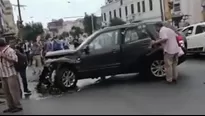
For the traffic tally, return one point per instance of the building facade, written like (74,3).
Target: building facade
(9,16)
(190,9)
(7,23)
(132,10)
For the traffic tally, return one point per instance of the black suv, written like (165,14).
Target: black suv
(111,51)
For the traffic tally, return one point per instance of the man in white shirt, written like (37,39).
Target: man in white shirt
(171,50)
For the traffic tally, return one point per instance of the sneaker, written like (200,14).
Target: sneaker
(16,110)
(27,92)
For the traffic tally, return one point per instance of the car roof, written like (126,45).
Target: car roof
(194,25)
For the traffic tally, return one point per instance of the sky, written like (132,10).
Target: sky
(45,10)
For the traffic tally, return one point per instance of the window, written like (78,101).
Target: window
(150,5)
(177,7)
(143,6)
(132,9)
(126,11)
(104,40)
(121,2)
(115,15)
(110,13)
(200,29)
(131,35)
(105,18)
(188,31)
(136,34)
(138,7)
(120,12)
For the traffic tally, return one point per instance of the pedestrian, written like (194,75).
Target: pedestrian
(23,68)
(26,47)
(36,54)
(167,38)
(11,85)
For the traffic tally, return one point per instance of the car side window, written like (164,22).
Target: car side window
(200,29)
(188,31)
(135,34)
(131,35)
(104,40)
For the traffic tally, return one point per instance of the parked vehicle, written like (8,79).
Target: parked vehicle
(113,50)
(195,35)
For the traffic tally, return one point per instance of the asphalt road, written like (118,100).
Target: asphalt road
(127,95)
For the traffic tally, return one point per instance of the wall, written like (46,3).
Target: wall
(192,8)
(154,15)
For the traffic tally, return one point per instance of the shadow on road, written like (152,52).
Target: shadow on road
(196,57)
(119,81)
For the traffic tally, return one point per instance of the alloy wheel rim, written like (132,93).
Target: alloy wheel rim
(68,78)
(158,69)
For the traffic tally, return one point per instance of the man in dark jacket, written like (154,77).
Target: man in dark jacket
(23,70)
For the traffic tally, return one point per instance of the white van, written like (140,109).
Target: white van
(195,35)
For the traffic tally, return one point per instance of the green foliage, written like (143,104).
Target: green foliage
(32,30)
(116,21)
(87,22)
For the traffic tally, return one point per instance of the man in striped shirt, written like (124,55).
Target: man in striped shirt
(8,73)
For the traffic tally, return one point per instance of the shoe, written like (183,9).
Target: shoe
(174,81)
(16,110)
(27,92)
(169,82)
(8,110)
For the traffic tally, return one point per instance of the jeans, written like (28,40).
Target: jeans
(24,79)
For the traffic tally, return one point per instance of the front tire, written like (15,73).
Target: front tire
(66,79)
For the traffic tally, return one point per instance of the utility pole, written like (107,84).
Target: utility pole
(92,23)
(19,11)
(20,21)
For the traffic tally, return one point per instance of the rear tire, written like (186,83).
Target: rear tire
(66,79)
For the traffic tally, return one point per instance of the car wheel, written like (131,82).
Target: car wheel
(66,79)
(153,68)
(157,68)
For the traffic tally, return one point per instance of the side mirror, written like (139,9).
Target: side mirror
(87,49)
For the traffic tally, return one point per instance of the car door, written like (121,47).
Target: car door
(136,44)
(198,39)
(104,55)
(189,33)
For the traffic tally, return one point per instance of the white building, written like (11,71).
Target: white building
(150,10)
(131,10)
(192,8)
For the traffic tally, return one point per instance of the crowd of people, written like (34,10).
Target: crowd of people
(16,58)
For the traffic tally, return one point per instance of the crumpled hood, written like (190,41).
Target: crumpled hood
(59,53)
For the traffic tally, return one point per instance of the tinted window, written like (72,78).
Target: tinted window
(200,29)
(104,40)
(188,31)
(135,34)
(115,15)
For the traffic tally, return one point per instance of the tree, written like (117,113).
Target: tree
(116,21)
(76,31)
(32,30)
(87,22)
